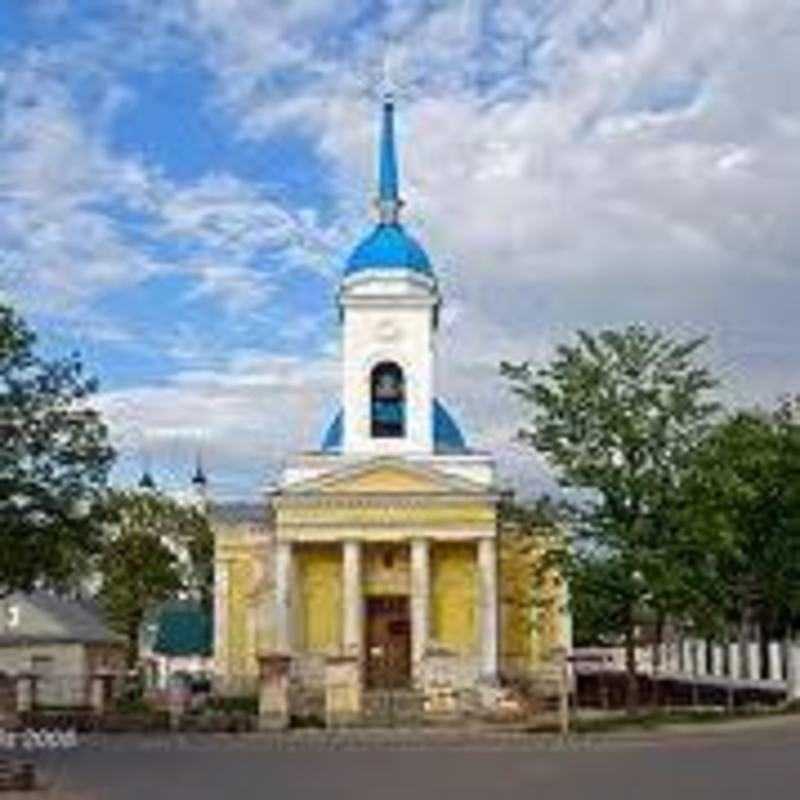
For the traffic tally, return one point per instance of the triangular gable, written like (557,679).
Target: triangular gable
(387,475)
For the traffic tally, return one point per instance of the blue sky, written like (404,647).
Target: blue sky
(181,182)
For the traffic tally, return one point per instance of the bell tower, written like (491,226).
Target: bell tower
(389,302)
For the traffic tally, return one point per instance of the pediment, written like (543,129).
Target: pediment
(387,476)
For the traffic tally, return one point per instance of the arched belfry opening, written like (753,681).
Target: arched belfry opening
(388,401)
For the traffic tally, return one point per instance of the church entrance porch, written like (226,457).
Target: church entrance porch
(387,642)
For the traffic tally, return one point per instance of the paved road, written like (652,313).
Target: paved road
(753,762)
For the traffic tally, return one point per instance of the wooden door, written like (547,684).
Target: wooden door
(388,642)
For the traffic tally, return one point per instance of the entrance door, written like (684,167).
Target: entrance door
(388,645)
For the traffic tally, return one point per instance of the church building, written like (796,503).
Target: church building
(385,543)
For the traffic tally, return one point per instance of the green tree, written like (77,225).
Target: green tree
(139,565)
(747,487)
(54,462)
(619,416)
(197,537)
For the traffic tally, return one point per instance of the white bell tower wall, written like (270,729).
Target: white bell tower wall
(388,315)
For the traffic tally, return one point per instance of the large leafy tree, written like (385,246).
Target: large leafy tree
(746,486)
(140,564)
(196,537)
(619,416)
(54,461)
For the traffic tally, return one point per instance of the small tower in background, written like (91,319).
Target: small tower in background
(146,482)
(200,483)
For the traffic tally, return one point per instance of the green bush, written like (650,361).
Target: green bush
(246,703)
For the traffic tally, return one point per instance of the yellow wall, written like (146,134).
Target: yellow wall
(319,572)
(240,645)
(386,569)
(453,597)
(531,603)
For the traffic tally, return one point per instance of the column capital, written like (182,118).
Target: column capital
(421,540)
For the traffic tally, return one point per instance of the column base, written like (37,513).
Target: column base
(343,691)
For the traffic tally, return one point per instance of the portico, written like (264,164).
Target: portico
(426,560)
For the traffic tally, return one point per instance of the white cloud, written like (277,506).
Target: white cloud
(77,220)
(554,171)
(245,416)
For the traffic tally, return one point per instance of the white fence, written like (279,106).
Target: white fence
(774,666)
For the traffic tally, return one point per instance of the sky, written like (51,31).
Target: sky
(181,182)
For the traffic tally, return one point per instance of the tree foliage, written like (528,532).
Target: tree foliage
(54,461)
(746,489)
(154,549)
(619,416)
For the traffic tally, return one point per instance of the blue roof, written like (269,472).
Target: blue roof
(183,629)
(388,246)
(447,436)
(388,183)
(333,436)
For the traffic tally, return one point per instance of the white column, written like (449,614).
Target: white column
(700,665)
(793,681)
(775,662)
(487,598)
(753,661)
(283,590)
(221,617)
(352,596)
(717,661)
(734,661)
(663,658)
(686,657)
(672,658)
(420,604)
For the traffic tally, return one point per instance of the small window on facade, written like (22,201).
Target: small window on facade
(388,406)
(12,617)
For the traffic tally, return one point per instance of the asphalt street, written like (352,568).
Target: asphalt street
(759,761)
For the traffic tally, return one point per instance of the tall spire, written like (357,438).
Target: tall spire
(388,185)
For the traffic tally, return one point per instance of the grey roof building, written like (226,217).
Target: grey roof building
(45,618)
(63,641)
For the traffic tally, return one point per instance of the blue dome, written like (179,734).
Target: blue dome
(333,436)
(388,246)
(447,436)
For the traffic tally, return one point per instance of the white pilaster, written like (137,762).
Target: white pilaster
(420,603)
(221,616)
(753,661)
(487,597)
(687,668)
(673,660)
(700,665)
(663,656)
(793,677)
(734,661)
(352,596)
(775,662)
(717,661)
(283,591)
